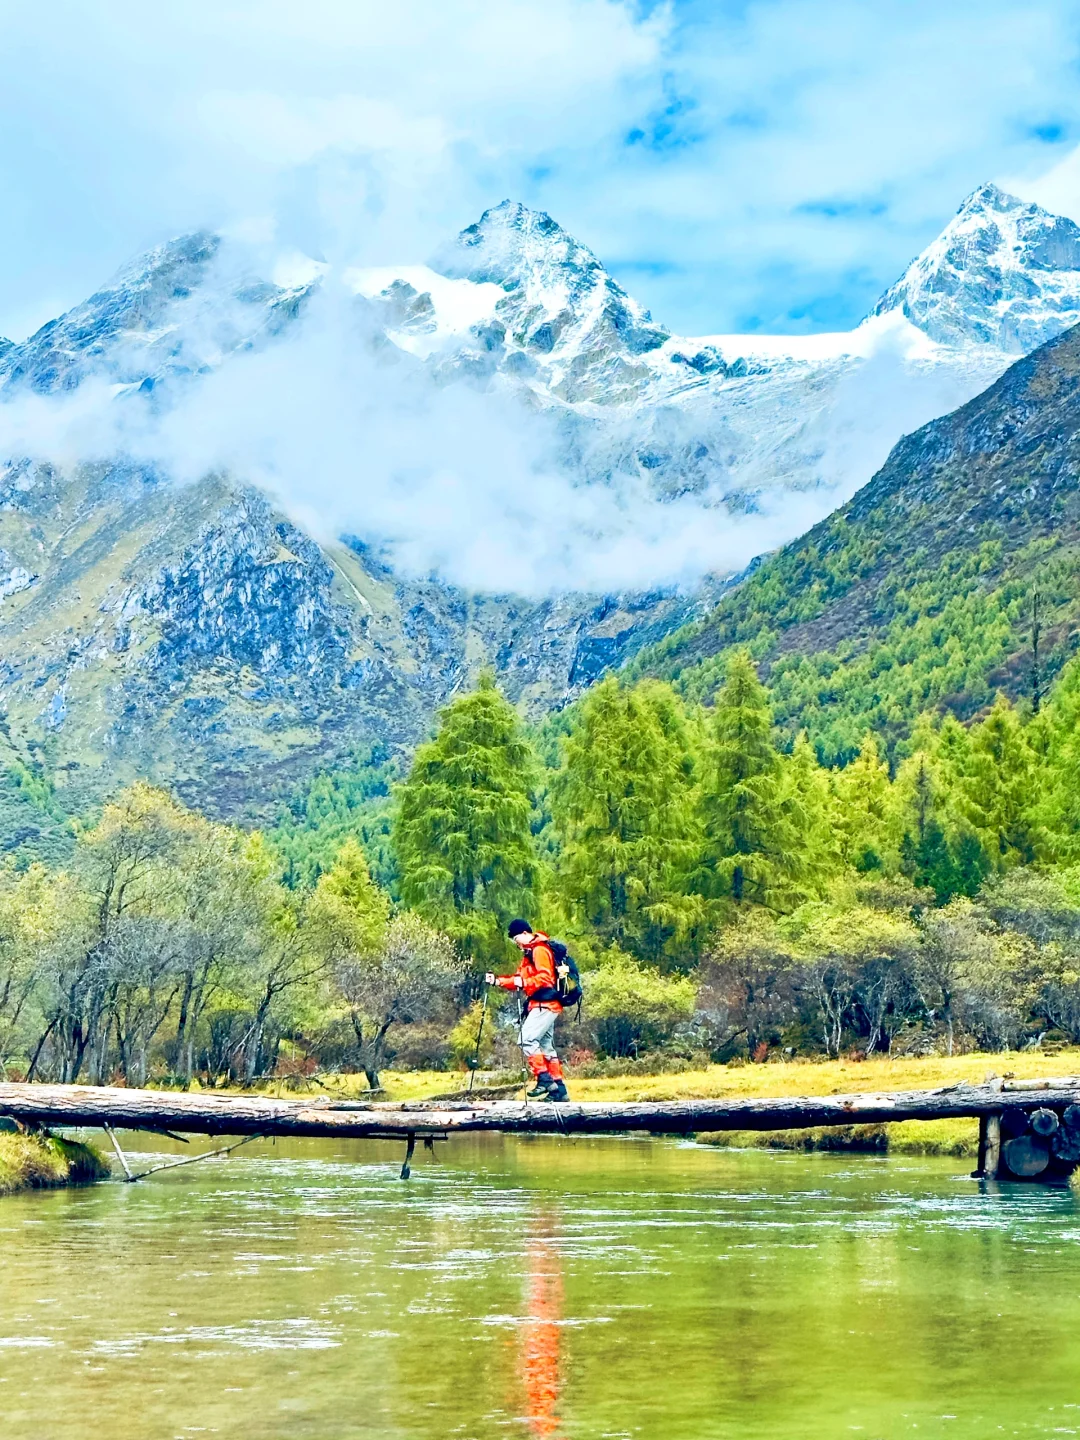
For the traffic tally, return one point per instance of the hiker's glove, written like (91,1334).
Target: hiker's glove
(519,984)
(489,978)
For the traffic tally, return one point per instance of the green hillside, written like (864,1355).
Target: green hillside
(925,591)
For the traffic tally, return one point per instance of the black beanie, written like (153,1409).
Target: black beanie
(518,927)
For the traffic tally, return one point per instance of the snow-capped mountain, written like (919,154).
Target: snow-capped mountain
(198,635)
(736,420)
(180,310)
(1001,274)
(516,305)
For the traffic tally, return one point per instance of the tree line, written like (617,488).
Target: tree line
(727,894)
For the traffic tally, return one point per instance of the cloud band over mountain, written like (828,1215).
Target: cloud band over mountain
(514,420)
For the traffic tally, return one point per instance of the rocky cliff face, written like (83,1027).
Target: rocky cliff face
(194,635)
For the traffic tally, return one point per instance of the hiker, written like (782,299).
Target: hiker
(538,981)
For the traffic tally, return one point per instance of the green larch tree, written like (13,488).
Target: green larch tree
(811,812)
(463,837)
(348,913)
(1059,802)
(862,809)
(998,792)
(934,850)
(623,805)
(750,839)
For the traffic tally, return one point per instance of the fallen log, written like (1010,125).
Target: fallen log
(217,1114)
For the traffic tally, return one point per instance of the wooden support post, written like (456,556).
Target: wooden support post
(991,1158)
(406,1169)
(129,1178)
(990,1137)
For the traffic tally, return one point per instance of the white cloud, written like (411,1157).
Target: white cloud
(446,479)
(1058,190)
(370,131)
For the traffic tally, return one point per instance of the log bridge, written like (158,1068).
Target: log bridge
(1028,1129)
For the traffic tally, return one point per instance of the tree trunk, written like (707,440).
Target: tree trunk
(216,1114)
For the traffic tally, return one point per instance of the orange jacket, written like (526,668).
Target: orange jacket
(536,972)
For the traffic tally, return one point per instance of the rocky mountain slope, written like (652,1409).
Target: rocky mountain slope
(196,634)
(953,574)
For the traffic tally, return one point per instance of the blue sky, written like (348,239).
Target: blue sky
(737,164)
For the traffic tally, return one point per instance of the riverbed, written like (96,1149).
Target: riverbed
(565,1289)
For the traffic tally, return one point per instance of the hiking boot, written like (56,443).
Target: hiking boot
(558,1093)
(542,1089)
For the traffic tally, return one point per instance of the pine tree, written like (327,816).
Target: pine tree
(812,814)
(462,835)
(998,789)
(623,806)
(348,913)
(862,809)
(750,851)
(1058,807)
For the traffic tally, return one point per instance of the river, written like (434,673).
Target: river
(560,1289)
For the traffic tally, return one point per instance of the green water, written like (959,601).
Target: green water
(541,1288)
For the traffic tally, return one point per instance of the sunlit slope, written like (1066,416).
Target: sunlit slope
(919,593)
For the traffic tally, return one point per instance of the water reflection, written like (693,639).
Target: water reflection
(542,1331)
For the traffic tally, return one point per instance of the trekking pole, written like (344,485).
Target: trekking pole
(521,1046)
(479,1037)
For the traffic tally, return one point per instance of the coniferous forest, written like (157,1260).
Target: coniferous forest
(726,893)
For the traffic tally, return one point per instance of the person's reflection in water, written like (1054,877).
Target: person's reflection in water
(541,1333)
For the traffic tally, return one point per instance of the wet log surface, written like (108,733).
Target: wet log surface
(205,1113)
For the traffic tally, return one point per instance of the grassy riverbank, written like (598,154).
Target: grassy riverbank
(781,1079)
(45,1162)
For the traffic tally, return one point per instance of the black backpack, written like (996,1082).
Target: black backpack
(568,989)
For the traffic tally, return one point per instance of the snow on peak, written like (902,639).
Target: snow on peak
(1003,273)
(176,264)
(574,328)
(424,311)
(178,309)
(514,246)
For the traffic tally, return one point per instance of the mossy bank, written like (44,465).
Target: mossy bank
(905,1137)
(45,1162)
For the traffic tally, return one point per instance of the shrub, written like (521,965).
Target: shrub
(632,1008)
(463,1037)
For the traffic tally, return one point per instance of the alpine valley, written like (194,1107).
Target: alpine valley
(195,631)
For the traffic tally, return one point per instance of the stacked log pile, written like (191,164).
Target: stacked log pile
(1042,1143)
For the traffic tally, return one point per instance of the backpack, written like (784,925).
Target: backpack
(568,989)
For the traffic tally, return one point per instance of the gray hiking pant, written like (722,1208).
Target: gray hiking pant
(538,1033)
